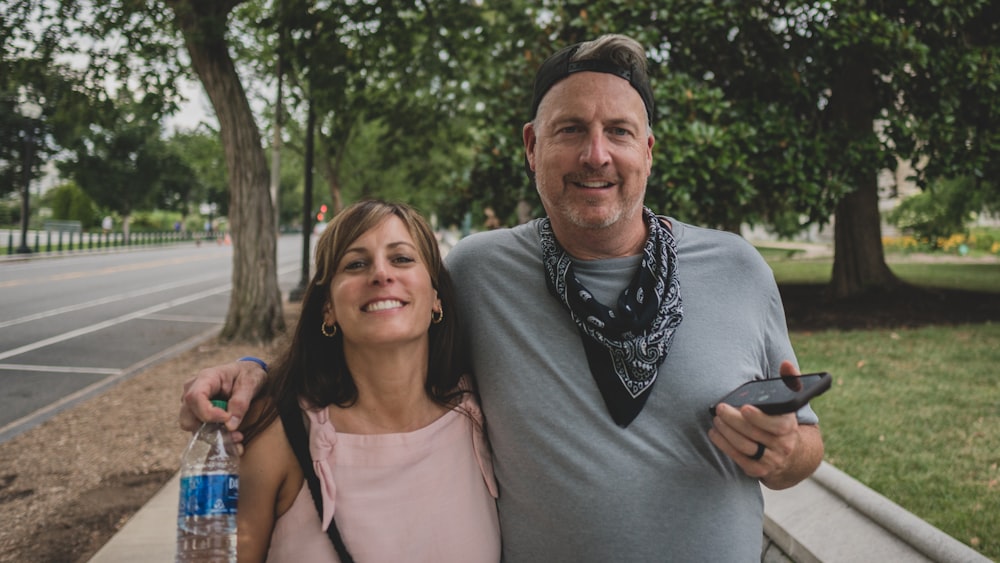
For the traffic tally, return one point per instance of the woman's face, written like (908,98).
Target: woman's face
(381,292)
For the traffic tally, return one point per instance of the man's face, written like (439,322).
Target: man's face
(591,152)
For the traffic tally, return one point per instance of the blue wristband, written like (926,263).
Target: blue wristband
(258,361)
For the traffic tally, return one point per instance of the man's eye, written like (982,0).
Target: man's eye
(570,129)
(619,131)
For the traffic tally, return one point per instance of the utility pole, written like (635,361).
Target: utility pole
(31,112)
(298,293)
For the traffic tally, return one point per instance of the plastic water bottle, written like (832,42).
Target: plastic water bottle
(210,480)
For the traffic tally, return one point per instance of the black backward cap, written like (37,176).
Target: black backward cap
(559,66)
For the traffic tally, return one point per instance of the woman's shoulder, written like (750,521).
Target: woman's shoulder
(269,462)
(267,444)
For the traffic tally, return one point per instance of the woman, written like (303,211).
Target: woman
(394,432)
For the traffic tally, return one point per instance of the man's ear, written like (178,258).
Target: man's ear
(650,141)
(528,134)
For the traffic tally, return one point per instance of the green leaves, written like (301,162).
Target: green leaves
(753,123)
(122,164)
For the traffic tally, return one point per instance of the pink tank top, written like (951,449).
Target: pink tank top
(427,495)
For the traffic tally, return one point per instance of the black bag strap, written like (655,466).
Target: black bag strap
(295,431)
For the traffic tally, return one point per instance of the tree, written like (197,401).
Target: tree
(402,45)
(770,110)
(890,81)
(515,42)
(200,151)
(28,74)
(776,113)
(134,47)
(393,68)
(254,313)
(119,163)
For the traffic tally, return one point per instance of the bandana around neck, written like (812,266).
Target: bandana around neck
(624,348)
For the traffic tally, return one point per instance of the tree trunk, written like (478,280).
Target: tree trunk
(276,142)
(333,158)
(859,261)
(254,314)
(333,182)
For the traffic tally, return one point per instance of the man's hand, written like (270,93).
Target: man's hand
(238,381)
(791,452)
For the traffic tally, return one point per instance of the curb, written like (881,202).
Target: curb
(833,517)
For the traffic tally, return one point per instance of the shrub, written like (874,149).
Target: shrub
(70,203)
(935,215)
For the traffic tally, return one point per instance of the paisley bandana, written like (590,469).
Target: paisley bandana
(625,347)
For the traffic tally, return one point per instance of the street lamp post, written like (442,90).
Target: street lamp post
(298,293)
(31,111)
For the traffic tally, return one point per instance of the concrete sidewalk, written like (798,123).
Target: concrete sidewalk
(829,517)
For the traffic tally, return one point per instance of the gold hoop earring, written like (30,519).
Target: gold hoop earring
(437,316)
(327,332)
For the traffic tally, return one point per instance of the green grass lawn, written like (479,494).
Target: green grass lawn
(971,276)
(915,413)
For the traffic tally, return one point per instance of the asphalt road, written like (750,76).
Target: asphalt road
(73,325)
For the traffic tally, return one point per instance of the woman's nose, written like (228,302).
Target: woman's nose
(381,273)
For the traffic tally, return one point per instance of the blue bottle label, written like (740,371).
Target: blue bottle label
(209,495)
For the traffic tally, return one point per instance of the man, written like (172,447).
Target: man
(601,335)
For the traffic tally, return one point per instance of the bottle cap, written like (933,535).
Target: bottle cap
(222,404)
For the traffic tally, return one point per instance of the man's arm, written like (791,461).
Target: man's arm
(237,381)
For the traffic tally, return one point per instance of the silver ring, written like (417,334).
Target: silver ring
(760,452)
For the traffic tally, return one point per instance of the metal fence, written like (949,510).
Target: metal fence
(62,240)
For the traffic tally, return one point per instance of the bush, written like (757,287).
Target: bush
(10,213)
(985,239)
(154,221)
(935,215)
(70,203)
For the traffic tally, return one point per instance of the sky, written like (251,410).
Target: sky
(196,109)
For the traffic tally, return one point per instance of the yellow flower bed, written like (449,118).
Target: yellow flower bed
(954,244)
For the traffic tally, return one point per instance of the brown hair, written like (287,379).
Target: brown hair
(313,366)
